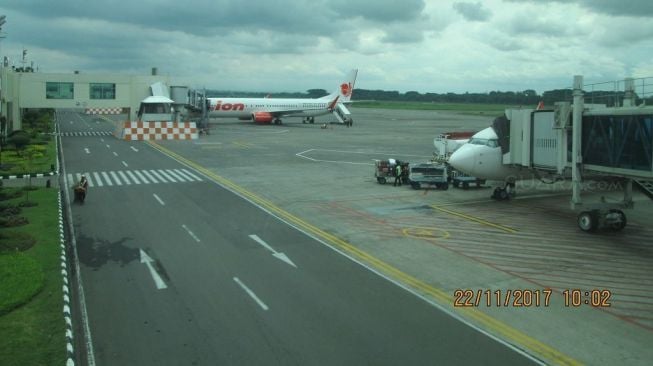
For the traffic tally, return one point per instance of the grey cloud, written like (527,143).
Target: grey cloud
(401,34)
(633,8)
(379,10)
(543,27)
(472,11)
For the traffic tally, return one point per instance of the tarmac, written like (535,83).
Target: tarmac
(484,261)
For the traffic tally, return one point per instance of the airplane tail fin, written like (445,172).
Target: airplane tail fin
(345,89)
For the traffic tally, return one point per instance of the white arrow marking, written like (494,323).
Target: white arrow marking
(276,254)
(87,150)
(133,148)
(148,262)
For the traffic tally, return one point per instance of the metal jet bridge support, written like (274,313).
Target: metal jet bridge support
(585,142)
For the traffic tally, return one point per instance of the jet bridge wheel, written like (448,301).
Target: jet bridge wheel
(618,218)
(588,221)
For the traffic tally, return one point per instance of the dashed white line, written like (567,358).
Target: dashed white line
(97,179)
(106,177)
(115,177)
(251,294)
(150,177)
(123,176)
(141,177)
(159,199)
(125,164)
(115,153)
(87,150)
(108,147)
(133,177)
(133,148)
(190,233)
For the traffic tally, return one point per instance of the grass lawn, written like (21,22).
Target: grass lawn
(13,164)
(463,108)
(33,333)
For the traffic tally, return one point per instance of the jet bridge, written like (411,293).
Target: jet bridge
(581,141)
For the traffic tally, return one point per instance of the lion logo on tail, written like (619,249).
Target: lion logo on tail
(345,89)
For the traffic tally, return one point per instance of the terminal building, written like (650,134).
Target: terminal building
(94,93)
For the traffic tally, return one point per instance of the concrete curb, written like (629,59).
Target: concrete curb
(30,175)
(67,312)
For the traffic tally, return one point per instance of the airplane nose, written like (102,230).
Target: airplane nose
(463,160)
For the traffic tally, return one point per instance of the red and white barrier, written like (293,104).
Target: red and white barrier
(141,131)
(104,110)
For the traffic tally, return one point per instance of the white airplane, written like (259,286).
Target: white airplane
(481,157)
(268,110)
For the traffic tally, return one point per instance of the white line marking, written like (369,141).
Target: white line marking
(125,164)
(276,254)
(150,177)
(378,272)
(108,147)
(115,177)
(101,140)
(159,199)
(70,177)
(124,177)
(115,153)
(192,175)
(87,150)
(251,294)
(190,233)
(183,175)
(154,173)
(179,178)
(141,177)
(90,355)
(133,148)
(97,179)
(158,281)
(106,177)
(90,181)
(133,177)
(163,173)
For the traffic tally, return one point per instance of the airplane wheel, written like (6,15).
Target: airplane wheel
(503,195)
(381,180)
(587,221)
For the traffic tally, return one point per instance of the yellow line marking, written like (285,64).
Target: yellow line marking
(425,233)
(243,145)
(496,327)
(475,219)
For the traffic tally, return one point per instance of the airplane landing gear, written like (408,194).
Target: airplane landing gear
(505,193)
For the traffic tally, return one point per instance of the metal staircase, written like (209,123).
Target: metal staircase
(646,186)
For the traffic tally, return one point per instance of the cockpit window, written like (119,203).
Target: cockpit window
(486,142)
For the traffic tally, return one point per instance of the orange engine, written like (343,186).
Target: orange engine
(262,117)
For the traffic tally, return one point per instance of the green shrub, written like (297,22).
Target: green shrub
(11,241)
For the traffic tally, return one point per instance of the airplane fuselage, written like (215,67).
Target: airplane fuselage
(246,107)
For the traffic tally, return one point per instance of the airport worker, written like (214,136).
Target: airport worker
(398,175)
(83,182)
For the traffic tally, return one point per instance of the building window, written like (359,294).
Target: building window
(57,90)
(102,91)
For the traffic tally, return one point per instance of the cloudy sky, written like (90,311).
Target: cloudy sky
(294,45)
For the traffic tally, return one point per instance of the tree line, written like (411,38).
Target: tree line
(525,98)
